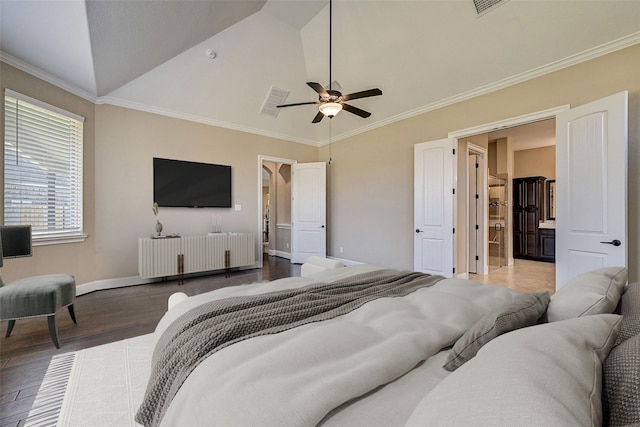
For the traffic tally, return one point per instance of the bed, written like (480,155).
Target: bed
(394,348)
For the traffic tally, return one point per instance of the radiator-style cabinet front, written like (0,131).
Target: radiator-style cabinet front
(192,254)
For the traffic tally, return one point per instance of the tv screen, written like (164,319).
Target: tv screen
(178,183)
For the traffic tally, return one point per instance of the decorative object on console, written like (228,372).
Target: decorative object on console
(216,224)
(158,223)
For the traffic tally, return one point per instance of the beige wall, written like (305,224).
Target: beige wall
(370,202)
(371,176)
(76,258)
(119,145)
(126,142)
(535,162)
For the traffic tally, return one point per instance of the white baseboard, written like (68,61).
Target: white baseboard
(462,276)
(120,282)
(345,261)
(123,282)
(281,254)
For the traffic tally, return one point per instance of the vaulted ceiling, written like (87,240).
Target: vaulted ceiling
(152,55)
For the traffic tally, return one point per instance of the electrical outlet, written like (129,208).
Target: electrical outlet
(341,249)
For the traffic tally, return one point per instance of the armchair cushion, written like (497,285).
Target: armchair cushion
(36,296)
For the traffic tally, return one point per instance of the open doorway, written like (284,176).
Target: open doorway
(533,165)
(590,190)
(266,208)
(275,200)
(506,145)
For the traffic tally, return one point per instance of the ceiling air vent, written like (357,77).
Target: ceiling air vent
(275,97)
(483,6)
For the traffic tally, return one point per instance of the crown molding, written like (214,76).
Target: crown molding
(109,100)
(604,49)
(619,44)
(47,77)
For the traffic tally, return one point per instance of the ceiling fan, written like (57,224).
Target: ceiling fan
(333,101)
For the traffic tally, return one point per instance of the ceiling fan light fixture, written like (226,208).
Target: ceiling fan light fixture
(330,109)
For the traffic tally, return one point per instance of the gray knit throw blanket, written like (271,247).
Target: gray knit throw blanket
(214,325)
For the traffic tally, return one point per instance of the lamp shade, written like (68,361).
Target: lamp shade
(330,109)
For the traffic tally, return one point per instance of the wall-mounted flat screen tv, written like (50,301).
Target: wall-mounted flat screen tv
(178,183)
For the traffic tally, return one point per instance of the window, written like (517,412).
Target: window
(42,169)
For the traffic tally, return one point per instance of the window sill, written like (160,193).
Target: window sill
(52,239)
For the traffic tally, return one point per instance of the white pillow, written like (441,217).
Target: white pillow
(544,375)
(596,292)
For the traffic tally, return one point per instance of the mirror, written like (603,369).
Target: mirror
(551,199)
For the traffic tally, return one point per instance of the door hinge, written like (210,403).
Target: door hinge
(454,190)
(477,258)
(454,270)
(477,165)
(454,151)
(477,227)
(454,230)
(477,196)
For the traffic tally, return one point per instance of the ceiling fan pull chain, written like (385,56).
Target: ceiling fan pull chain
(330,39)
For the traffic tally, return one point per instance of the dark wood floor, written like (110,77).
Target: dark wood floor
(103,317)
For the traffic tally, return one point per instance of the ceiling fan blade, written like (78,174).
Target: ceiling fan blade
(363,94)
(356,111)
(299,103)
(318,117)
(318,88)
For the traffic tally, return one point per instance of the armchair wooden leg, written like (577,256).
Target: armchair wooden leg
(53,330)
(72,313)
(10,327)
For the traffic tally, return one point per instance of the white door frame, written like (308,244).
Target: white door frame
(502,124)
(261,159)
(483,182)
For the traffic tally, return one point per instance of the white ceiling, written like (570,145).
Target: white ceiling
(528,136)
(150,55)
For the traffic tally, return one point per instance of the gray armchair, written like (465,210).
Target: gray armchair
(32,296)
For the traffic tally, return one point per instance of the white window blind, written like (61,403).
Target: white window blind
(42,167)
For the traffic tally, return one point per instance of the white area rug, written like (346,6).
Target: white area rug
(98,386)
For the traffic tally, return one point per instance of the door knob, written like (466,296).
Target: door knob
(419,231)
(615,242)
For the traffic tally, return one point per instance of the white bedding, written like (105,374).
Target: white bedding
(364,368)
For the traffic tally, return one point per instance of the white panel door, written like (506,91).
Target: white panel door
(308,205)
(591,185)
(433,207)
